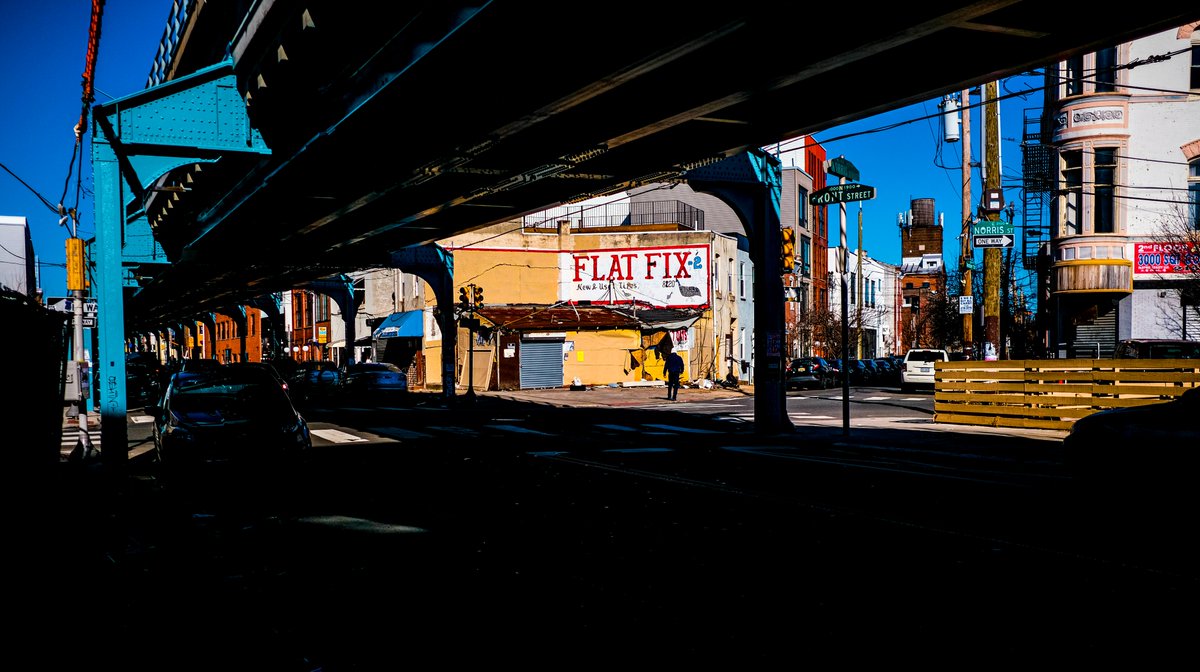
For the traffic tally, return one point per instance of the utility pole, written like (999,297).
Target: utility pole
(75,284)
(991,255)
(967,259)
(859,288)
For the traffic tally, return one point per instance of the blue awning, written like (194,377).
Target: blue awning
(409,323)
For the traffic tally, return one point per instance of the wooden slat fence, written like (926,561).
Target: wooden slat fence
(1053,393)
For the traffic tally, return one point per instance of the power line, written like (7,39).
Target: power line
(41,198)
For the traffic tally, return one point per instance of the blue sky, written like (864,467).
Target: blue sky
(912,161)
(43,46)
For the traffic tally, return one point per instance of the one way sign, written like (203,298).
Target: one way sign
(993,241)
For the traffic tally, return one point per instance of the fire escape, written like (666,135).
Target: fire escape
(1037,161)
(1038,167)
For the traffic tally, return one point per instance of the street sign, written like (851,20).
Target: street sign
(842,168)
(993,241)
(966,305)
(988,228)
(841,193)
(66,304)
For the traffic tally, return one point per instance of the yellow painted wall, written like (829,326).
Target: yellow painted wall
(508,276)
(601,357)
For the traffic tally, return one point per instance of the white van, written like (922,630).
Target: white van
(918,366)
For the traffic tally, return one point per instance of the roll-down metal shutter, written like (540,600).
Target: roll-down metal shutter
(541,364)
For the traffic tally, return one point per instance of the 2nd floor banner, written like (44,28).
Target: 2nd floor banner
(662,277)
(1166,258)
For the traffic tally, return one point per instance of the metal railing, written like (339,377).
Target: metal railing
(621,213)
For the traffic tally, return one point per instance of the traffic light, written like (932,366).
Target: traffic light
(463,299)
(787,252)
(478,295)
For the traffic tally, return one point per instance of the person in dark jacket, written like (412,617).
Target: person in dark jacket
(674,368)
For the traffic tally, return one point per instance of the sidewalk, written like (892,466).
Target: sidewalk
(655,395)
(605,396)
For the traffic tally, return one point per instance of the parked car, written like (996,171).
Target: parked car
(859,373)
(378,379)
(1139,447)
(143,379)
(919,366)
(810,373)
(199,364)
(262,366)
(313,379)
(889,372)
(230,415)
(1157,348)
(874,372)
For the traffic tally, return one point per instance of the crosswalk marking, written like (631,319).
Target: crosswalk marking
(71,436)
(336,436)
(397,433)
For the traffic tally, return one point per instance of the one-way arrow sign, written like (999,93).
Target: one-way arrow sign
(993,241)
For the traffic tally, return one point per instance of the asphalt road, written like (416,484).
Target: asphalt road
(545,536)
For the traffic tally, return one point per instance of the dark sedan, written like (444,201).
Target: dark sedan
(377,379)
(239,416)
(1144,449)
(810,373)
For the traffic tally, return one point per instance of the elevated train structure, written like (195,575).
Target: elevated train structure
(281,144)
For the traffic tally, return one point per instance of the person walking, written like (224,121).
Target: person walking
(674,368)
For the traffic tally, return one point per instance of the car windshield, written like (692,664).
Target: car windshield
(925,356)
(221,398)
(373,367)
(1175,350)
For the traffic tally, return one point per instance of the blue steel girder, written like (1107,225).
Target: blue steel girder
(272,305)
(340,288)
(135,140)
(193,119)
(434,264)
(751,183)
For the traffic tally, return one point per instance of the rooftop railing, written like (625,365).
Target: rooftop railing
(618,214)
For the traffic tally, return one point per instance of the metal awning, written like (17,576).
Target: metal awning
(408,323)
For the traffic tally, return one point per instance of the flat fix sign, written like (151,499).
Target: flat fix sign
(662,277)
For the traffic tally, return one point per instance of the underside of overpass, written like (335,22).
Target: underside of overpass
(279,143)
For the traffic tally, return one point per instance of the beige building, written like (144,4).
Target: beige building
(570,299)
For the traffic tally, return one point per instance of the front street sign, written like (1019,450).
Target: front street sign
(841,193)
(993,241)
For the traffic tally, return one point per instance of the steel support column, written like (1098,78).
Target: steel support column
(751,184)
